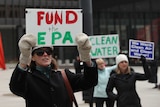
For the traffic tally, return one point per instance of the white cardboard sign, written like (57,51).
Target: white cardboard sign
(56,27)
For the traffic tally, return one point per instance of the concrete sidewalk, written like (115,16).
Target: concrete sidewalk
(149,97)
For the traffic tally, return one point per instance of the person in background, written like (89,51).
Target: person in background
(78,65)
(86,94)
(124,81)
(37,79)
(100,96)
(153,64)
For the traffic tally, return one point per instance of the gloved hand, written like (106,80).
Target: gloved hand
(26,42)
(143,59)
(83,46)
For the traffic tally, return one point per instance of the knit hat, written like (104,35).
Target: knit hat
(120,58)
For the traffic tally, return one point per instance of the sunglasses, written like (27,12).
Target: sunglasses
(40,52)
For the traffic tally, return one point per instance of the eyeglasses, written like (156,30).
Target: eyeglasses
(40,52)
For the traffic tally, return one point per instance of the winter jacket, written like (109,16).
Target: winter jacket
(40,91)
(154,70)
(103,77)
(78,67)
(125,85)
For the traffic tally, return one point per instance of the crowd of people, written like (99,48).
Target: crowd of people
(38,80)
(121,77)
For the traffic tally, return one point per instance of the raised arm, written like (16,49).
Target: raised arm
(84,48)
(145,67)
(147,72)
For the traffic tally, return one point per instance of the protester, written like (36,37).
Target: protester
(37,79)
(124,81)
(100,95)
(78,65)
(153,64)
(88,96)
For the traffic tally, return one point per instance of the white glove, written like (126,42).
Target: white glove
(26,42)
(83,46)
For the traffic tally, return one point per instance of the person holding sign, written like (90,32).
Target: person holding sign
(100,95)
(124,81)
(37,79)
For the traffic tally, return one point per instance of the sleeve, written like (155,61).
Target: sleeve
(109,88)
(18,82)
(110,69)
(88,79)
(147,72)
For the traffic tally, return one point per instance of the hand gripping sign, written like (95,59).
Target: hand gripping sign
(138,48)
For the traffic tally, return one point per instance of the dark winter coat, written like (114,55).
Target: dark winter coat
(126,90)
(154,70)
(78,67)
(40,91)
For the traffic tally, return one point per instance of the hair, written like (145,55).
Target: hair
(54,64)
(118,71)
(99,61)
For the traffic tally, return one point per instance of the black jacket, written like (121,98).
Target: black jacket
(40,91)
(126,90)
(78,67)
(154,70)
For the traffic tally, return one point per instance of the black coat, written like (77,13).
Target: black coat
(154,70)
(40,91)
(78,67)
(126,90)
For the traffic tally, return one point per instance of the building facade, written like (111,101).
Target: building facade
(131,19)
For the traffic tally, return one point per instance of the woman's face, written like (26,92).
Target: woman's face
(42,56)
(123,66)
(101,66)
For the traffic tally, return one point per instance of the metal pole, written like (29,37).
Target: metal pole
(86,6)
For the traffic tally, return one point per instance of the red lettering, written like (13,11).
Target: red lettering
(68,20)
(40,15)
(58,18)
(49,18)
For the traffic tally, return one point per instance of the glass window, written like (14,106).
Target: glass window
(155,5)
(142,6)
(126,8)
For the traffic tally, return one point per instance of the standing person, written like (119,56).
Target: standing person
(154,70)
(78,65)
(88,96)
(100,95)
(40,83)
(124,81)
